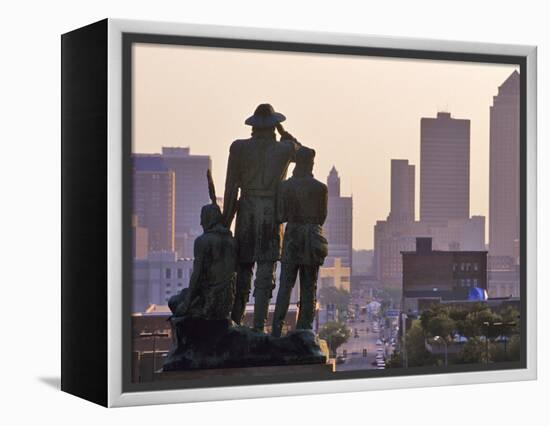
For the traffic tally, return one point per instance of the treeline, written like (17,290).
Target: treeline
(471,335)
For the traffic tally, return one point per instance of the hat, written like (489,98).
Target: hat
(265,116)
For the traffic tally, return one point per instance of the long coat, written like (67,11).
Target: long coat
(256,167)
(302,203)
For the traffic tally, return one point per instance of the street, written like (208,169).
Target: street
(354,359)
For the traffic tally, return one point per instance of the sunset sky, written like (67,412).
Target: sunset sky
(356,112)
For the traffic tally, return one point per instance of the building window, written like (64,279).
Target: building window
(180,273)
(476,267)
(168,284)
(475,282)
(455,267)
(168,273)
(180,284)
(462,266)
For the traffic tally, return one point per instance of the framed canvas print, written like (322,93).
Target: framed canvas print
(251,212)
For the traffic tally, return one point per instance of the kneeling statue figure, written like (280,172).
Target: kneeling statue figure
(211,291)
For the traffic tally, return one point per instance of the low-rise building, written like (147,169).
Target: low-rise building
(445,275)
(334,274)
(158,278)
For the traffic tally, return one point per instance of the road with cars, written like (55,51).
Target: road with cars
(366,334)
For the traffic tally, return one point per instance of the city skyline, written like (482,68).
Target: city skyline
(190,104)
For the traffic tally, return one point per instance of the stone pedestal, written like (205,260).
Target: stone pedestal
(277,371)
(220,344)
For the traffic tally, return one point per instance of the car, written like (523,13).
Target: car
(340,359)
(378,342)
(380,350)
(381,367)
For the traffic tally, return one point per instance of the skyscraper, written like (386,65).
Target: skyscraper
(140,240)
(191,191)
(444,169)
(333,183)
(504,169)
(339,224)
(399,231)
(402,191)
(191,194)
(154,201)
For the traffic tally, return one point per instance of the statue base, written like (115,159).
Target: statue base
(267,371)
(220,344)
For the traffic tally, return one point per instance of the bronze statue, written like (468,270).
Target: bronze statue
(212,285)
(302,203)
(257,166)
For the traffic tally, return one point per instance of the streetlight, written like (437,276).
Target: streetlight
(441,339)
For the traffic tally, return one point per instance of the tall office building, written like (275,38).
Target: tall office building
(444,169)
(154,201)
(399,231)
(339,224)
(402,191)
(191,194)
(333,183)
(140,240)
(390,239)
(504,169)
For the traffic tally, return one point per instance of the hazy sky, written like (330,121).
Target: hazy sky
(356,112)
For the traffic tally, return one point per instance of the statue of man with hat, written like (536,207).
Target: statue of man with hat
(256,167)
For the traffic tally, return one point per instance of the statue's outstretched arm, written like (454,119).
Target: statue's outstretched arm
(286,137)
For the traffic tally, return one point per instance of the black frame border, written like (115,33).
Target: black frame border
(129,39)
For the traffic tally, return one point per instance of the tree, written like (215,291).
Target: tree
(338,297)
(334,296)
(473,352)
(417,355)
(335,334)
(395,361)
(440,325)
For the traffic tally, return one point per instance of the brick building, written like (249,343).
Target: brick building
(442,275)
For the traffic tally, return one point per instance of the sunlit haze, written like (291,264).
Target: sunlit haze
(356,112)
